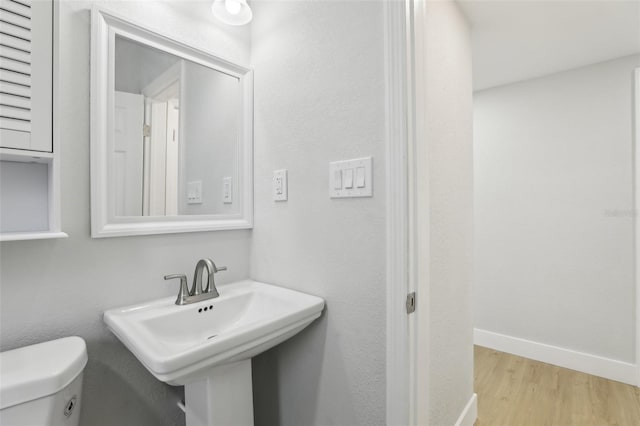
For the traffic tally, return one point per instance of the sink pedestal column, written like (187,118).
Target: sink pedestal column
(222,397)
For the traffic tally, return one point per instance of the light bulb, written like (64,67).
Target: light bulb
(233,6)
(231,12)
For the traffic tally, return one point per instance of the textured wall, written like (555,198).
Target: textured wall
(319,97)
(56,288)
(553,165)
(448,137)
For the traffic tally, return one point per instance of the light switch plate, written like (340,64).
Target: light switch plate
(356,178)
(280,185)
(227,190)
(194,192)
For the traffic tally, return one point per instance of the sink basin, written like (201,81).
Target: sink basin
(178,344)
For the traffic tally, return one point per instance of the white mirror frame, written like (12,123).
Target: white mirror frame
(104,27)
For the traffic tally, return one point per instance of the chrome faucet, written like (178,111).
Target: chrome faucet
(197,292)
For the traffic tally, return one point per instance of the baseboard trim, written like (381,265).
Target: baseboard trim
(470,413)
(591,364)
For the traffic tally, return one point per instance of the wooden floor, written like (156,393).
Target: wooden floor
(515,391)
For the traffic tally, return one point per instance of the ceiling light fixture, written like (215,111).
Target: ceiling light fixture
(232,12)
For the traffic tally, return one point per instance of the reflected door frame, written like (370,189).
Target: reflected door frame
(163,98)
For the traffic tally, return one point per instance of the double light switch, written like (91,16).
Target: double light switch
(350,178)
(194,192)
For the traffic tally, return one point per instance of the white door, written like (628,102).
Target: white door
(161,154)
(128,153)
(158,159)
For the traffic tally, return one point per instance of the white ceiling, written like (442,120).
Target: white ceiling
(516,40)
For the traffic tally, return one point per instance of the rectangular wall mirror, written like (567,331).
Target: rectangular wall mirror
(171,134)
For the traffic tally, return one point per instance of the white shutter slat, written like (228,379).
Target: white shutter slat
(15,89)
(16,101)
(22,8)
(16,125)
(26,3)
(15,30)
(14,113)
(15,78)
(14,19)
(15,42)
(16,55)
(13,65)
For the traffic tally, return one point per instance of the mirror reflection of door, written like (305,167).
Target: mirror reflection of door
(146,145)
(161,144)
(128,153)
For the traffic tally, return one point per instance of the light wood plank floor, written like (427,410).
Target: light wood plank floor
(515,391)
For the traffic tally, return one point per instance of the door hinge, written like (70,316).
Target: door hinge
(146,131)
(411,302)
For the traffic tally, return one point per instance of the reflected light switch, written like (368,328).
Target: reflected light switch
(227,197)
(194,192)
(360,183)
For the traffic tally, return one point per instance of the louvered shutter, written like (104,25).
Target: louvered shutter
(26,59)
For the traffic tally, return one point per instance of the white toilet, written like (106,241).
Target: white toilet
(40,385)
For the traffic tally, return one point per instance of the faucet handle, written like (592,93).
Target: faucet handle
(184,291)
(219,268)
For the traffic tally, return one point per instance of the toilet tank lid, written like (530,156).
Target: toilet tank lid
(40,370)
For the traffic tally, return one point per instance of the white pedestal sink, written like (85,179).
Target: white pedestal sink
(207,346)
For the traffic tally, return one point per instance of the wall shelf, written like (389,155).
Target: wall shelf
(25,236)
(25,156)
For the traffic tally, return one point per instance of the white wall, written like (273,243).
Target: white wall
(24,188)
(319,97)
(553,165)
(55,288)
(446,153)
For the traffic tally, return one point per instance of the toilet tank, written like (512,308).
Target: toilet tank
(41,384)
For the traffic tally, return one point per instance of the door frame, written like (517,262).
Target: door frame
(398,369)
(407,200)
(636,211)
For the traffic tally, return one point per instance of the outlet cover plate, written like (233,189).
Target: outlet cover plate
(280,185)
